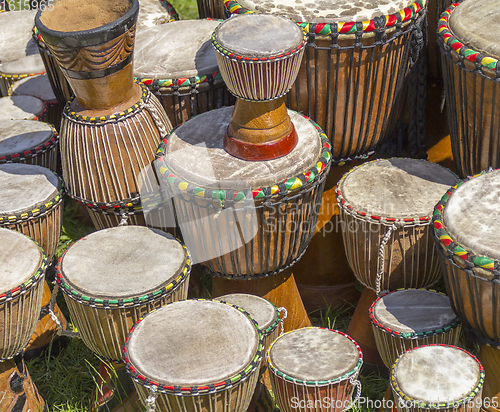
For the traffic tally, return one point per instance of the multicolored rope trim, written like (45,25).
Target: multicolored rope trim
(31,282)
(125,302)
(241,376)
(442,405)
(19,76)
(327,29)
(339,379)
(170,10)
(39,211)
(462,50)
(409,335)
(155,84)
(448,245)
(389,221)
(280,189)
(70,114)
(44,147)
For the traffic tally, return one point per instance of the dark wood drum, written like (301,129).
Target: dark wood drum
(210,361)
(350,81)
(112,277)
(469,39)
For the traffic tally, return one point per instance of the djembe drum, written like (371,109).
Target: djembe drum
(28,141)
(12,72)
(21,108)
(437,378)
(465,223)
(408,318)
(210,361)
(315,369)
(183,74)
(350,81)
(468,38)
(110,278)
(113,127)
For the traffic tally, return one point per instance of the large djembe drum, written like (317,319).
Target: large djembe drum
(437,378)
(350,81)
(469,38)
(465,222)
(183,73)
(112,128)
(315,369)
(210,361)
(112,277)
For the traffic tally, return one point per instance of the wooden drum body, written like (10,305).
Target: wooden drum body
(112,277)
(210,361)
(408,318)
(344,83)
(386,226)
(242,218)
(30,142)
(22,273)
(437,378)
(465,226)
(468,36)
(183,73)
(314,369)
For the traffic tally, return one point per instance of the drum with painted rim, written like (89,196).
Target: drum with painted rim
(210,361)
(407,318)
(386,207)
(110,278)
(315,369)
(22,108)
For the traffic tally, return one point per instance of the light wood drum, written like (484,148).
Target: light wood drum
(22,276)
(30,142)
(315,369)
(466,222)
(183,73)
(210,361)
(22,108)
(469,39)
(350,81)
(386,208)
(408,318)
(110,278)
(437,378)
(32,203)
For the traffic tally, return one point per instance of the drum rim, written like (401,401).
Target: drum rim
(19,76)
(52,142)
(300,181)
(410,335)
(34,279)
(37,117)
(48,103)
(38,212)
(124,303)
(347,207)
(348,28)
(231,382)
(266,332)
(450,42)
(451,250)
(348,375)
(401,395)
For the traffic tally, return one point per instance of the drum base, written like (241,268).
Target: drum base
(279,289)
(18,393)
(490,359)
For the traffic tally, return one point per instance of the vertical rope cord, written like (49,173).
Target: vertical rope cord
(282,319)
(60,328)
(151,400)
(354,381)
(381,253)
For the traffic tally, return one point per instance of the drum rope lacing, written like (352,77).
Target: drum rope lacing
(381,255)
(60,329)
(282,319)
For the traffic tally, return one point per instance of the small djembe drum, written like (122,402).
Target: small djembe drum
(315,369)
(210,361)
(13,71)
(112,128)
(469,38)
(110,278)
(28,141)
(465,223)
(408,318)
(350,80)
(437,378)
(22,108)
(183,74)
